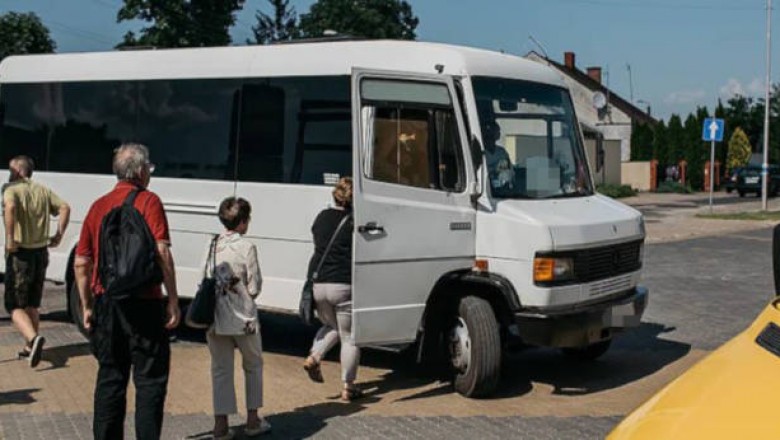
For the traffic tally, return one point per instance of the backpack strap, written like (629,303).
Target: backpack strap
(130,199)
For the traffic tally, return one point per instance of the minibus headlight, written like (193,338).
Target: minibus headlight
(547,269)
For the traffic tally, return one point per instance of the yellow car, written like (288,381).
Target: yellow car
(734,393)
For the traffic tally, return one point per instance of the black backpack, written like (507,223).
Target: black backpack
(127,264)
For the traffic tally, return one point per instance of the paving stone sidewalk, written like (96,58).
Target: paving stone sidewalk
(543,397)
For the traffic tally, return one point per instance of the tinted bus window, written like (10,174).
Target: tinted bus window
(26,112)
(188,126)
(290,130)
(295,130)
(93,118)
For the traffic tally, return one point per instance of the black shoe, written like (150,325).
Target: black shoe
(37,350)
(23,353)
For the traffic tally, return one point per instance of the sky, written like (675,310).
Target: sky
(682,53)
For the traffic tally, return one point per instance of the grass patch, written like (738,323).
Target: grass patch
(757,215)
(674,187)
(616,191)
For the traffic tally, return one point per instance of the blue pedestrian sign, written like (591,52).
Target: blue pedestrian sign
(712,130)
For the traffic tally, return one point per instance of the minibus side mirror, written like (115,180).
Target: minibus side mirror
(776,258)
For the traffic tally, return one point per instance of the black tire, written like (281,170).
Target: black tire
(589,352)
(74,305)
(728,190)
(741,193)
(482,370)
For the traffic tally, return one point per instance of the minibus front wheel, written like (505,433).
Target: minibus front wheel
(474,346)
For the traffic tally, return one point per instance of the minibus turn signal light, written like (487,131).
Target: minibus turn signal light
(543,269)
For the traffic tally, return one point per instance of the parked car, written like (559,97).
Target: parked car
(749,180)
(730,179)
(732,393)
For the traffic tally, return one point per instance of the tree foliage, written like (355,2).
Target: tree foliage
(695,152)
(23,33)
(180,23)
(739,149)
(744,124)
(676,141)
(641,141)
(392,19)
(281,26)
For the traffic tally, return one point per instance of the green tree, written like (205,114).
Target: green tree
(746,113)
(696,153)
(739,149)
(641,141)
(282,26)
(675,141)
(23,33)
(392,19)
(660,143)
(180,23)
(774,124)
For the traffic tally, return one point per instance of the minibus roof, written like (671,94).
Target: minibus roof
(302,59)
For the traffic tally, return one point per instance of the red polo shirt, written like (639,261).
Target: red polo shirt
(150,206)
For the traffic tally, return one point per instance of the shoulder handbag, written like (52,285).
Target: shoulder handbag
(306,306)
(201,311)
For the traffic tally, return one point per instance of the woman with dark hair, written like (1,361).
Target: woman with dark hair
(333,289)
(235,321)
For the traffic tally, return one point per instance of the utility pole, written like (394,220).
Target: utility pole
(765,165)
(630,83)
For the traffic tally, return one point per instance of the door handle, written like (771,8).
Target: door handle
(371,227)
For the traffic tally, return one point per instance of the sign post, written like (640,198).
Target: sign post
(713,132)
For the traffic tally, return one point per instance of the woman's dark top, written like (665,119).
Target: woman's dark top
(337,267)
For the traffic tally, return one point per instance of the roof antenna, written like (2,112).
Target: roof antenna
(539,45)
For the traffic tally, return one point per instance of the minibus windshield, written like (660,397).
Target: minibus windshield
(531,140)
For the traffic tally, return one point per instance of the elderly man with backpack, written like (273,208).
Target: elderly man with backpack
(122,258)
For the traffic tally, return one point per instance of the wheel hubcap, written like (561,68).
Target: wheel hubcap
(460,345)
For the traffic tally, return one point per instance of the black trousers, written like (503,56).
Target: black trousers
(130,336)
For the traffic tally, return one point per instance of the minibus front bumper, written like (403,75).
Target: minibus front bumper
(582,324)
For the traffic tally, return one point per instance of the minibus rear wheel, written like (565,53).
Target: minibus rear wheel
(475,348)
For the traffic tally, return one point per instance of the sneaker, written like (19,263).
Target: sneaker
(36,351)
(262,428)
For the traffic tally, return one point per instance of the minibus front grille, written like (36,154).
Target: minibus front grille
(607,261)
(599,263)
(769,338)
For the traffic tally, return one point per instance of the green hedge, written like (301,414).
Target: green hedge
(674,187)
(616,191)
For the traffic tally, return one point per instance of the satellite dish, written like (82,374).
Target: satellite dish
(599,100)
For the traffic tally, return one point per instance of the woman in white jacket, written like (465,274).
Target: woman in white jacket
(235,321)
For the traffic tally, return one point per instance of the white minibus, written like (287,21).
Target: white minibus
(477,223)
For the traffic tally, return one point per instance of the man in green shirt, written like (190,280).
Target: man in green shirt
(27,208)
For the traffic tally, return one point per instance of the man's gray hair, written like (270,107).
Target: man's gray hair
(130,160)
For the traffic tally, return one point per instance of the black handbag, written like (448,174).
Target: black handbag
(201,311)
(306,305)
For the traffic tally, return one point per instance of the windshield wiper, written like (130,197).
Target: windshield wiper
(568,195)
